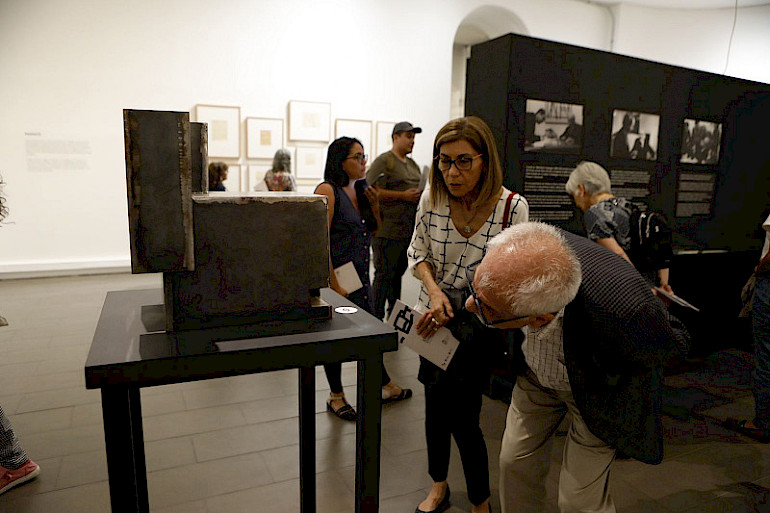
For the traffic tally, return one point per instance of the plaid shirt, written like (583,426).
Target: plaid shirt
(544,352)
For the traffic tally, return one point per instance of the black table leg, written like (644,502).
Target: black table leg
(307,483)
(124,440)
(368,435)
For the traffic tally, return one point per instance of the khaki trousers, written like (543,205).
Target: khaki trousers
(533,417)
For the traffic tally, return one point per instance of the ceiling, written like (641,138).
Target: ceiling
(684,4)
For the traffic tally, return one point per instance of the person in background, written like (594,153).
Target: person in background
(607,218)
(758,428)
(597,340)
(279,177)
(353,215)
(217,176)
(15,466)
(397,178)
(467,205)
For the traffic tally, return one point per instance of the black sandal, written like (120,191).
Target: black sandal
(740,426)
(405,393)
(345,412)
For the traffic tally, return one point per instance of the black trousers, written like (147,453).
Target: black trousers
(390,263)
(453,408)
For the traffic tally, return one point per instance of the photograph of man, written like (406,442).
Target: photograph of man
(701,141)
(597,340)
(535,127)
(397,177)
(553,127)
(634,135)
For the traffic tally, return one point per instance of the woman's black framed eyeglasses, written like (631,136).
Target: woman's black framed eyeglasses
(462,163)
(360,157)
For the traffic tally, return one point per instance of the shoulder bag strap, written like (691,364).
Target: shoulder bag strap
(507,213)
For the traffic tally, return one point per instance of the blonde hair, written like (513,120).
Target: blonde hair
(477,133)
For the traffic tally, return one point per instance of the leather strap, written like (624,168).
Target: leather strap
(507,212)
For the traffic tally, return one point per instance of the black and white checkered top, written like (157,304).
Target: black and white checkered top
(437,241)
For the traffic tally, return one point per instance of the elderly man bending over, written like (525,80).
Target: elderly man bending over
(597,338)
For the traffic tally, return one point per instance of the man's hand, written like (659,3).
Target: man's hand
(412,195)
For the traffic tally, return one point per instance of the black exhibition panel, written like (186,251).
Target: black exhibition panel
(715,194)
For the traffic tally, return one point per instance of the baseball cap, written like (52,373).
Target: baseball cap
(406,126)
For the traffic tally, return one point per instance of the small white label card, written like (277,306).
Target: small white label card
(438,349)
(348,278)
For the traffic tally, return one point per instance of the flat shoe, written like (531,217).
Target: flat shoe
(345,412)
(740,427)
(405,393)
(442,506)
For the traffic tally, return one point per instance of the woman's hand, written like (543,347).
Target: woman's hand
(439,314)
(373,195)
(339,290)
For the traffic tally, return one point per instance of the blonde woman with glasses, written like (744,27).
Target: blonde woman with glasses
(465,207)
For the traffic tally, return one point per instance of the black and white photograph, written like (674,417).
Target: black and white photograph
(634,135)
(701,141)
(553,127)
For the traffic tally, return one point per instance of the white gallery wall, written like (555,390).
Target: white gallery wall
(69,68)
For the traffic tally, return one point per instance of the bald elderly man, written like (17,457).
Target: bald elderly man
(597,339)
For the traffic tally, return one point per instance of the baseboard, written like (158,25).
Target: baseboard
(52,269)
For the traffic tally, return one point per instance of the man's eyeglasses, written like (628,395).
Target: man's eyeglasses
(360,157)
(480,310)
(462,163)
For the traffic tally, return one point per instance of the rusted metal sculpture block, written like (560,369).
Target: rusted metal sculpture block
(198,157)
(258,257)
(159,190)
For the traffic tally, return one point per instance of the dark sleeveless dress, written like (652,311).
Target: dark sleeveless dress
(350,241)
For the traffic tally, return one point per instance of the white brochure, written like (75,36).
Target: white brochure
(438,349)
(348,278)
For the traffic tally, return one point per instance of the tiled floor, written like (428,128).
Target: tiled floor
(230,445)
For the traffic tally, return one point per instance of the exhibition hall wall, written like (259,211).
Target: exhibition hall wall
(70,68)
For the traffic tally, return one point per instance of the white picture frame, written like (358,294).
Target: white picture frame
(384,137)
(264,136)
(357,128)
(311,161)
(309,121)
(224,129)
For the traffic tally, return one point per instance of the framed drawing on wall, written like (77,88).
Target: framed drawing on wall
(224,129)
(311,162)
(309,121)
(553,127)
(384,138)
(361,130)
(701,141)
(634,135)
(264,136)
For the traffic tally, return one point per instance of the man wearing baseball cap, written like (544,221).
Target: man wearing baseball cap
(397,177)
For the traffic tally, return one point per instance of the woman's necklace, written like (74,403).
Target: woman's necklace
(466,222)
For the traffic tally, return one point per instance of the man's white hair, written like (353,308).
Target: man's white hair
(532,268)
(592,176)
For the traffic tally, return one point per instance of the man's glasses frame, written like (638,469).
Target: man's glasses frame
(476,300)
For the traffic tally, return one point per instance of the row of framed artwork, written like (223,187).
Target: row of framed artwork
(309,122)
(558,128)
